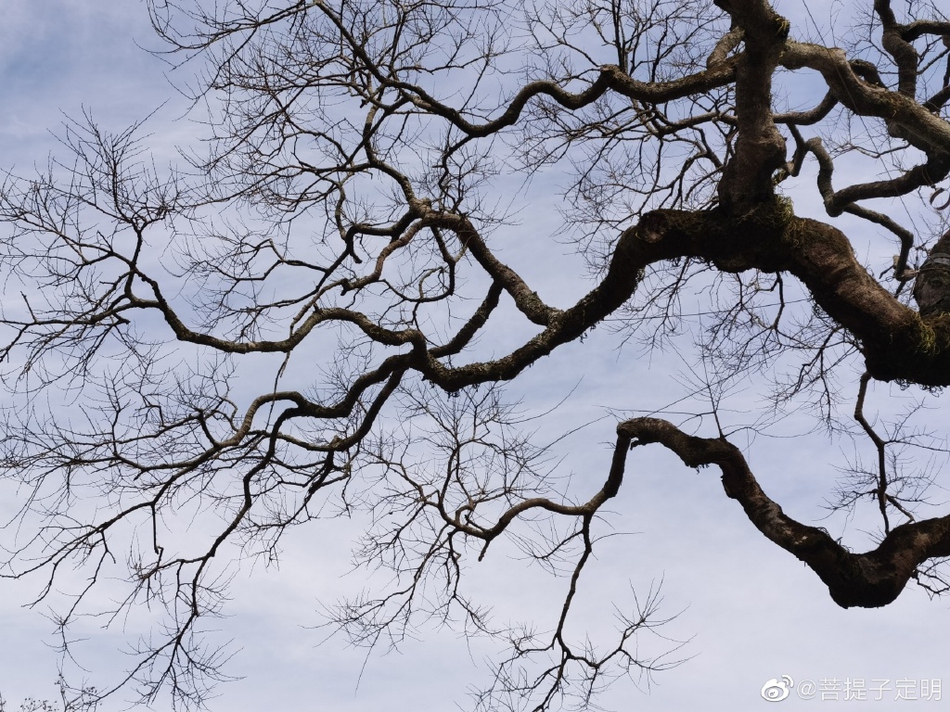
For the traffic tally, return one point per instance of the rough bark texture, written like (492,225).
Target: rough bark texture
(897,342)
(932,286)
(866,580)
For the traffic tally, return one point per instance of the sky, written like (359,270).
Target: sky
(745,612)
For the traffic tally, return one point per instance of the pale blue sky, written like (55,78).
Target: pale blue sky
(750,611)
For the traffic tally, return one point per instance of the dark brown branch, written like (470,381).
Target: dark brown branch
(812,116)
(903,52)
(760,147)
(896,342)
(918,28)
(610,77)
(867,580)
(879,446)
(903,114)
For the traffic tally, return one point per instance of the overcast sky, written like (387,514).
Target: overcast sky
(747,611)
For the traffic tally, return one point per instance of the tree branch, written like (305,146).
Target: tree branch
(867,580)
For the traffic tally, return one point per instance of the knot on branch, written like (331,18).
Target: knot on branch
(932,286)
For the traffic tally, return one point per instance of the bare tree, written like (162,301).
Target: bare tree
(336,234)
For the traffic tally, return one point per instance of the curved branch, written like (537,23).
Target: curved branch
(867,580)
(902,51)
(759,147)
(896,341)
(610,77)
(913,121)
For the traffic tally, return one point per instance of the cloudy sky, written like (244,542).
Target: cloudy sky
(745,611)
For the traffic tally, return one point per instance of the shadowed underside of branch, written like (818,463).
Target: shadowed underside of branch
(867,580)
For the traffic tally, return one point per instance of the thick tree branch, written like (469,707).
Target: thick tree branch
(867,580)
(760,148)
(897,343)
(913,121)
